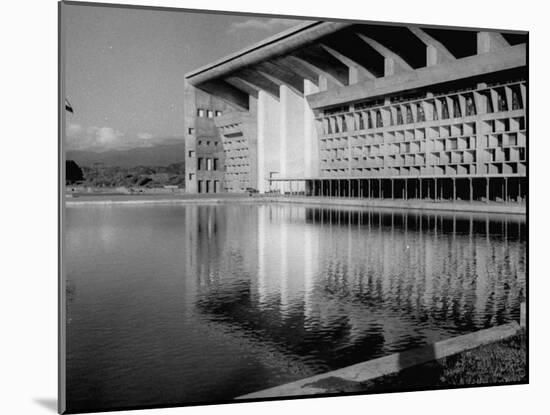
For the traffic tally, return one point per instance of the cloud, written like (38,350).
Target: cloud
(100,139)
(106,135)
(263,24)
(145,136)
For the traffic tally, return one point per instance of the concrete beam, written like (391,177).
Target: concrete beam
(436,52)
(357,71)
(490,42)
(322,69)
(393,63)
(282,75)
(257,79)
(502,59)
(244,86)
(233,96)
(299,68)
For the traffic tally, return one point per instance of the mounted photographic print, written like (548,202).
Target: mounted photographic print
(259,207)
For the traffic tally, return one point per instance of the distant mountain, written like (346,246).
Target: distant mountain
(158,155)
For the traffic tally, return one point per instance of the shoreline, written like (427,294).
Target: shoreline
(427,205)
(364,377)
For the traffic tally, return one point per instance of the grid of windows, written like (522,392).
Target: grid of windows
(449,134)
(201,112)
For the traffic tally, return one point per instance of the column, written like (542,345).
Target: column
(311,149)
(261,130)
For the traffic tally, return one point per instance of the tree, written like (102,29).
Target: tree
(73,172)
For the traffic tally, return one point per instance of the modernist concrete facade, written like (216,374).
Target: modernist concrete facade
(363,110)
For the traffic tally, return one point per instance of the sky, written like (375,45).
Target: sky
(125,69)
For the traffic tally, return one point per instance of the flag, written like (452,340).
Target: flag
(68,106)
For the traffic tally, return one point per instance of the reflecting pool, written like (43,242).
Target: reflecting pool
(172,304)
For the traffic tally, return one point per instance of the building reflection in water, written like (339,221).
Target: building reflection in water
(329,287)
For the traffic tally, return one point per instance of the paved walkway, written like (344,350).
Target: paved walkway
(479,207)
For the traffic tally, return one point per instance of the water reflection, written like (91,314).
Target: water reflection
(336,286)
(176,304)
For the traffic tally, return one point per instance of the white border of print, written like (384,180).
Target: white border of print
(29,204)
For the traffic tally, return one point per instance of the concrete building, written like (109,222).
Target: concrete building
(342,109)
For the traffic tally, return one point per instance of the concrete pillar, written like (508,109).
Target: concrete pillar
(323,83)
(389,67)
(261,133)
(311,141)
(283,125)
(471,189)
(490,41)
(487,190)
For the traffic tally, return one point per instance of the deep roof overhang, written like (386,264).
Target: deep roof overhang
(272,47)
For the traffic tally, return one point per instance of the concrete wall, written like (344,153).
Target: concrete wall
(287,138)
(291,134)
(189,111)
(268,138)
(202,140)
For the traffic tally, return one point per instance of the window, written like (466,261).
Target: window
(399,116)
(516,99)
(199,163)
(191,153)
(444,109)
(369,120)
(361,122)
(190,131)
(470,106)
(456,108)
(420,113)
(215,164)
(191,176)
(218,113)
(199,186)
(378,119)
(209,164)
(502,105)
(200,112)
(210,114)
(409,115)
(344,124)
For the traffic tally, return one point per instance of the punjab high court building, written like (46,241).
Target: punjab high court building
(341,109)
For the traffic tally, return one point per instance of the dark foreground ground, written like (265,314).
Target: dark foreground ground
(502,362)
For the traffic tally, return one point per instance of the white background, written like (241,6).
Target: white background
(28,166)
